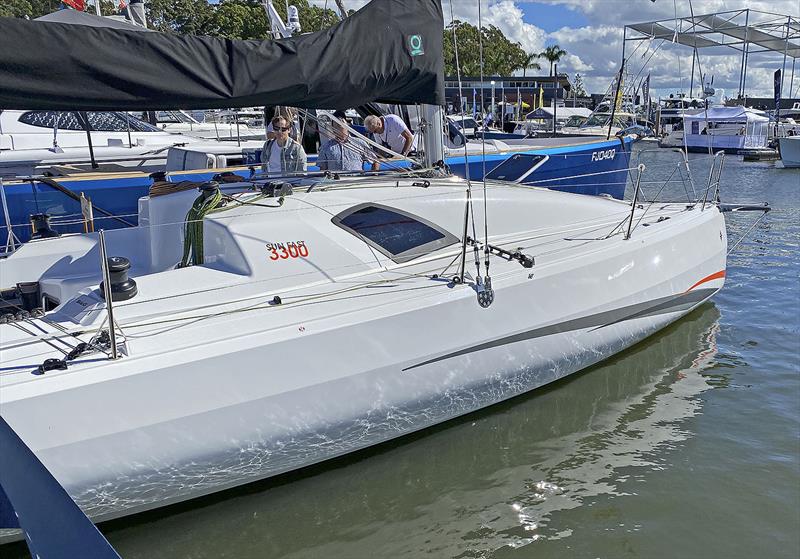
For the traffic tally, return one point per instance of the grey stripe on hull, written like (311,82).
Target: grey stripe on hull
(662,305)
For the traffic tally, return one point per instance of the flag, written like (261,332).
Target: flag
(79,5)
(646,97)
(541,96)
(777,86)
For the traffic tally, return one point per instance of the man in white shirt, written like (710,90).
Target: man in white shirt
(391,132)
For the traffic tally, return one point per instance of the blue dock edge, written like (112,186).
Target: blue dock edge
(32,500)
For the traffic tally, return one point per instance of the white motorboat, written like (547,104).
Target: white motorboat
(541,120)
(598,124)
(245,126)
(789,148)
(33,139)
(324,324)
(731,129)
(669,115)
(466,124)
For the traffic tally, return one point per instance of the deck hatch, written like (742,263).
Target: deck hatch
(397,234)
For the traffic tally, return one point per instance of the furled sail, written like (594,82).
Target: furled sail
(390,51)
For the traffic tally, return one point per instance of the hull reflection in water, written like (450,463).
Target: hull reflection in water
(492,480)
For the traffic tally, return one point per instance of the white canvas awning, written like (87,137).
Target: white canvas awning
(727,114)
(561,112)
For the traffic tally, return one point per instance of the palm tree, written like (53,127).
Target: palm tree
(529,63)
(553,53)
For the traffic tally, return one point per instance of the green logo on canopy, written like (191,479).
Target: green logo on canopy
(415,44)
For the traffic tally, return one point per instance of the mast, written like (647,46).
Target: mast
(342,11)
(432,135)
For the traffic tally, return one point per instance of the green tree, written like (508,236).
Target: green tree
(239,19)
(553,53)
(529,63)
(191,17)
(467,42)
(580,89)
(500,55)
(312,18)
(28,8)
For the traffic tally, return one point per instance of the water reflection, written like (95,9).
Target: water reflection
(490,482)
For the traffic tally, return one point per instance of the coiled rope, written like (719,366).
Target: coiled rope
(193,230)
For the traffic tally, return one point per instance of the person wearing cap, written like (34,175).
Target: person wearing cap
(391,132)
(282,154)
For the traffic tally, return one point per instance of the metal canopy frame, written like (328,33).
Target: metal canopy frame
(746,31)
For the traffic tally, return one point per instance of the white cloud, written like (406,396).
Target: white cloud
(600,45)
(508,18)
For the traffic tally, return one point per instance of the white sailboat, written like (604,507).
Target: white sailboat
(324,324)
(263,326)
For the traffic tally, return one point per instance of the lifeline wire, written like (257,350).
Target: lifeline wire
(310,298)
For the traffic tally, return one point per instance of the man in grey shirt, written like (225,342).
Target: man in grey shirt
(345,153)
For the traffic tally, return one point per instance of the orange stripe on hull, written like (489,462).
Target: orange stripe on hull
(716,275)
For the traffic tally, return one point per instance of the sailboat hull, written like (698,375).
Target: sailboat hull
(150,430)
(790,151)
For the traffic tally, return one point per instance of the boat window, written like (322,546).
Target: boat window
(99,121)
(575,120)
(397,234)
(168,117)
(48,119)
(467,122)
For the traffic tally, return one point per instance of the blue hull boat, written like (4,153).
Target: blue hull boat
(577,165)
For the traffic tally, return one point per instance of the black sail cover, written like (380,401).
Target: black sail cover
(389,51)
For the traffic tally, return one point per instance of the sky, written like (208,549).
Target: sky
(591,31)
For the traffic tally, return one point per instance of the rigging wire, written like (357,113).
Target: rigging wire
(696,57)
(746,233)
(487,252)
(468,209)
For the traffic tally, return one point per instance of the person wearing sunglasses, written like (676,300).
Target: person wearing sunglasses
(290,114)
(282,154)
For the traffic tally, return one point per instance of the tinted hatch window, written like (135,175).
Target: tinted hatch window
(397,234)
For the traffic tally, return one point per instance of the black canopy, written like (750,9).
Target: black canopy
(390,51)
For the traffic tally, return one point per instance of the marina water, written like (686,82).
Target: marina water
(687,445)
